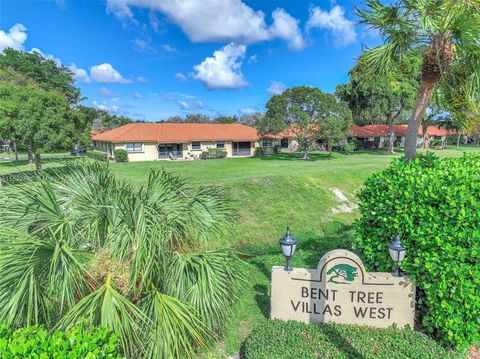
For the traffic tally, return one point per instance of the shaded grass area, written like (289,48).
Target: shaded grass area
(269,193)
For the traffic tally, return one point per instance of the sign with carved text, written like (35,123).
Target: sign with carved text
(341,291)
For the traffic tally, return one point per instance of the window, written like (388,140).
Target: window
(134,147)
(267,143)
(196,146)
(284,142)
(221,145)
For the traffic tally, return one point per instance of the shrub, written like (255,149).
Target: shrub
(97,155)
(434,205)
(286,340)
(277,149)
(120,155)
(213,153)
(77,342)
(259,152)
(349,147)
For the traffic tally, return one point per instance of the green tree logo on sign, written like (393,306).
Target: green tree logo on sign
(342,274)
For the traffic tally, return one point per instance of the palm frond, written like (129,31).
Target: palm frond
(107,307)
(176,330)
(208,280)
(22,262)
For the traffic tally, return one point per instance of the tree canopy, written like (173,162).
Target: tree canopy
(447,35)
(48,74)
(308,113)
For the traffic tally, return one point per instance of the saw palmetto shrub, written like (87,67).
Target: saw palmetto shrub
(434,205)
(84,248)
(76,342)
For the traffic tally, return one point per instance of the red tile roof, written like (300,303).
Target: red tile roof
(400,130)
(168,132)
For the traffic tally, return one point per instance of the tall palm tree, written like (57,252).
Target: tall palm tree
(85,247)
(447,32)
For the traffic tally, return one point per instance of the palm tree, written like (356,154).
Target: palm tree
(447,33)
(86,248)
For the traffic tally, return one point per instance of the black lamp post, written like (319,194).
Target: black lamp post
(397,253)
(288,244)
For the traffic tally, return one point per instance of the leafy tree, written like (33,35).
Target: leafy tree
(250,119)
(447,33)
(378,99)
(336,127)
(197,118)
(226,119)
(303,111)
(177,119)
(44,72)
(102,120)
(39,120)
(96,251)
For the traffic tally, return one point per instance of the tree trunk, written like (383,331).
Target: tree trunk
(30,154)
(458,139)
(391,132)
(425,138)
(305,153)
(421,102)
(16,152)
(38,163)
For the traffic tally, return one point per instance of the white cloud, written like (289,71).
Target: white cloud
(191,105)
(14,38)
(104,92)
(142,45)
(181,77)
(217,20)
(286,27)
(253,58)
(343,30)
(48,57)
(104,106)
(141,79)
(248,110)
(276,88)
(137,95)
(168,48)
(105,73)
(223,70)
(79,74)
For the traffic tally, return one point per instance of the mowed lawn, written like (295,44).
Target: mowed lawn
(270,193)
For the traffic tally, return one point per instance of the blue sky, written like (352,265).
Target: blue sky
(154,59)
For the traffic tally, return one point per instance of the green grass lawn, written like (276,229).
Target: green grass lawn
(270,193)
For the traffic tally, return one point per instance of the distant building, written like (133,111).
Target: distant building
(378,136)
(156,141)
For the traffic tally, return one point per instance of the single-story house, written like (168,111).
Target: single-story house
(378,136)
(155,141)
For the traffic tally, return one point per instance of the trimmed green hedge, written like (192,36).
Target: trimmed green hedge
(77,342)
(120,155)
(434,205)
(293,340)
(97,155)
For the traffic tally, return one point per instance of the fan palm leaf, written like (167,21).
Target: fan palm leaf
(176,331)
(107,307)
(208,280)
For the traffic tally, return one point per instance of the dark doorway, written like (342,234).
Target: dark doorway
(168,150)
(242,149)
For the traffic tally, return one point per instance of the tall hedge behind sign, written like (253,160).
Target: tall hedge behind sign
(434,205)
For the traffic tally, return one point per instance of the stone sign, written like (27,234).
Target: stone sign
(341,291)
